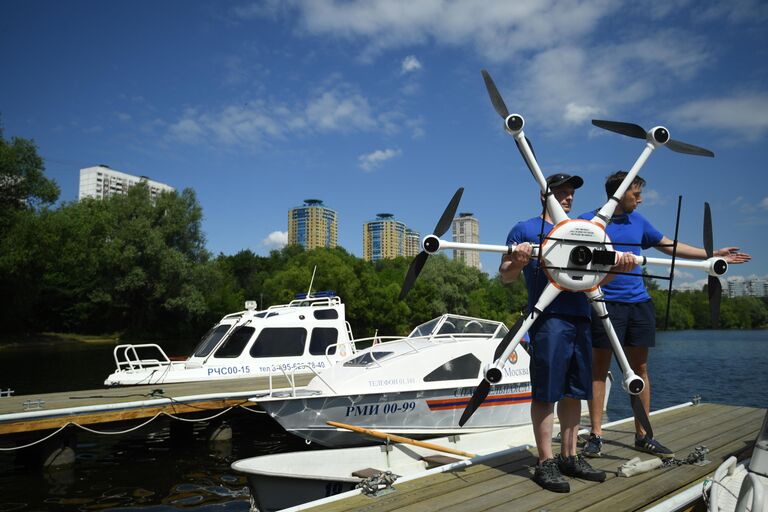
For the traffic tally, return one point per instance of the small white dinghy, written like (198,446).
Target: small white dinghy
(284,480)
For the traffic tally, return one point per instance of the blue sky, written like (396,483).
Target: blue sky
(379,106)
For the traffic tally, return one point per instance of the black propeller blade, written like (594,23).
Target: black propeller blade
(628,129)
(641,415)
(689,149)
(493,92)
(442,226)
(638,132)
(482,389)
(714,288)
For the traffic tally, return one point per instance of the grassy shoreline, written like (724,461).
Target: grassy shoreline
(43,339)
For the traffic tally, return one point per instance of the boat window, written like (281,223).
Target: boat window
(367,358)
(424,329)
(234,344)
(211,339)
(321,338)
(279,341)
(326,314)
(448,327)
(464,367)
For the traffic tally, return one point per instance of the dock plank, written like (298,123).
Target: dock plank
(56,409)
(499,484)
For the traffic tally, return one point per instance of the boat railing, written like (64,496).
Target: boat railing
(291,378)
(127,356)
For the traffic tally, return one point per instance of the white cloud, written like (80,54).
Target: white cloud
(276,240)
(497,29)
(651,197)
(336,110)
(764,203)
(612,76)
(745,113)
(410,64)
(372,160)
(336,107)
(580,113)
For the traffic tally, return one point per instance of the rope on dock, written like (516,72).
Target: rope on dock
(132,429)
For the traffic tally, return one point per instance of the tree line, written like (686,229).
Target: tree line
(140,268)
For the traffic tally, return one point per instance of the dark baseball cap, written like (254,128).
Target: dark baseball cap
(559,179)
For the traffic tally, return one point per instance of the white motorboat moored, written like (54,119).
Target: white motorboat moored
(416,386)
(308,334)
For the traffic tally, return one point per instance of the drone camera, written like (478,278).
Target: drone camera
(493,375)
(581,255)
(514,123)
(431,244)
(660,134)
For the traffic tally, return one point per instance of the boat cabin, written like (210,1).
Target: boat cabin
(308,334)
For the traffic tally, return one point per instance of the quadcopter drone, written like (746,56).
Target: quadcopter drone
(576,254)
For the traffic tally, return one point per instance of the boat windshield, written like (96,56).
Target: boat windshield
(210,340)
(458,325)
(368,358)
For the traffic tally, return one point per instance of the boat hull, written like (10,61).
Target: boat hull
(426,413)
(271,493)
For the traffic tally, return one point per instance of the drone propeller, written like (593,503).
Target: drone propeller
(714,288)
(482,389)
(493,92)
(660,135)
(442,226)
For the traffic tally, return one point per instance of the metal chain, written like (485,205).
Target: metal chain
(377,482)
(697,457)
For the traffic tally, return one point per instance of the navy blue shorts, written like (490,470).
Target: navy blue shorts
(634,323)
(561,358)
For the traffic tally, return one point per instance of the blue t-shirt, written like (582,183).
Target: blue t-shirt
(567,303)
(628,228)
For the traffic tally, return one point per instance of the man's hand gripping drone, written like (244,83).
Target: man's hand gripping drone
(575,255)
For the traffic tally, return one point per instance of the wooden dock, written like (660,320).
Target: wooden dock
(504,483)
(29,413)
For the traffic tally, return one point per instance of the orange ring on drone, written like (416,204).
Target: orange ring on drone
(544,265)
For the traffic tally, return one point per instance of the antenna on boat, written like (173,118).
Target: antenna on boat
(309,292)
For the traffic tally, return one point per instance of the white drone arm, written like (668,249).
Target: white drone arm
(493,374)
(432,244)
(514,124)
(712,266)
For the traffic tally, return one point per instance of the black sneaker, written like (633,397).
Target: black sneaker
(652,446)
(547,475)
(577,467)
(593,446)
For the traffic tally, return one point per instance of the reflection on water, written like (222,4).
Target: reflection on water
(146,470)
(151,470)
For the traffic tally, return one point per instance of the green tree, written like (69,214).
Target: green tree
(23,184)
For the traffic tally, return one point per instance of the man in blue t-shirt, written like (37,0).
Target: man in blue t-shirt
(630,307)
(561,350)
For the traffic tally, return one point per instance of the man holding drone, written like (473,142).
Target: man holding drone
(561,350)
(631,309)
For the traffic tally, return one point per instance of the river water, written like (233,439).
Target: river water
(150,470)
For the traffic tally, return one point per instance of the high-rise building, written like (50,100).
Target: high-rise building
(758,287)
(737,286)
(466,229)
(312,225)
(412,243)
(383,238)
(101,182)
